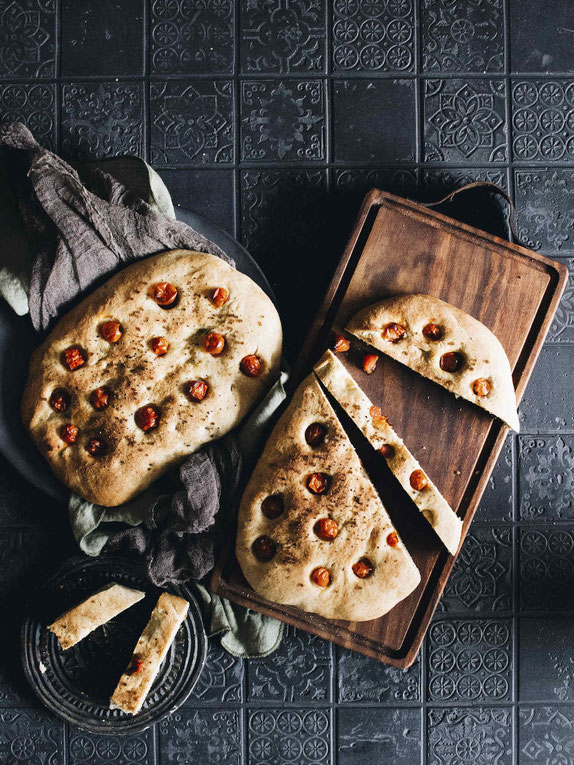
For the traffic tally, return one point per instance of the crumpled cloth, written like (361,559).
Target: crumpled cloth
(80,229)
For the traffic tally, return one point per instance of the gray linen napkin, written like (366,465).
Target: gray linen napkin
(72,230)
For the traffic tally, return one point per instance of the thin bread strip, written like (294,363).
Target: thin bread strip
(150,651)
(378,432)
(73,625)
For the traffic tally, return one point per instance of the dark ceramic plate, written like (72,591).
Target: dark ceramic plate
(76,684)
(18,340)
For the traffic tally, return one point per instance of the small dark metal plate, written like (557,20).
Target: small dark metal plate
(76,684)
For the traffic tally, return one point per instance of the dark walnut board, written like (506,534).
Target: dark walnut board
(400,247)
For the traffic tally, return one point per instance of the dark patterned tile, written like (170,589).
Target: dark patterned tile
(496,503)
(27,38)
(192,36)
(31,737)
(35,106)
(283,120)
(465,36)
(201,736)
(542,120)
(548,405)
(378,736)
(470,660)
(373,35)
(546,477)
(465,120)
(374,120)
(545,209)
(23,553)
(545,734)
(102,38)
(221,679)
(282,36)
(546,659)
(20,505)
(299,670)
(546,569)
(191,122)
(436,182)
(14,688)
(289,736)
(540,36)
(482,577)
(481,735)
(562,327)
(207,192)
(363,680)
(102,119)
(89,749)
(285,217)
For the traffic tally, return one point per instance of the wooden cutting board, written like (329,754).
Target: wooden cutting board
(400,247)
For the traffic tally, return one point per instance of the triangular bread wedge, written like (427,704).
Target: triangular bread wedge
(446,345)
(279,508)
(381,435)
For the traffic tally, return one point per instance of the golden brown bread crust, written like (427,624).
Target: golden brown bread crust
(351,501)
(137,377)
(485,357)
(402,463)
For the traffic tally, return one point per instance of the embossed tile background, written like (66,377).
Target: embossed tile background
(274,118)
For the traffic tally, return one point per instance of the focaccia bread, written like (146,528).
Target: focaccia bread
(446,345)
(169,354)
(73,625)
(312,530)
(150,651)
(376,428)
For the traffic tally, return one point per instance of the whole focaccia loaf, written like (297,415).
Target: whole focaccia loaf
(312,530)
(445,344)
(169,354)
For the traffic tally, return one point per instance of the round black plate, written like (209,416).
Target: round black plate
(18,339)
(76,684)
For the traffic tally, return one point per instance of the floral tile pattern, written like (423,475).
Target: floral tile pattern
(542,120)
(374,119)
(191,122)
(282,120)
(299,671)
(102,119)
(481,580)
(97,750)
(27,38)
(35,106)
(221,679)
(373,36)
(212,735)
(463,36)
(470,660)
(546,734)
(378,736)
(364,680)
(546,569)
(545,215)
(31,737)
(465,121)
(283,36)
(478,735)
(546,477)
(562,328)
(282,736)
(191,37)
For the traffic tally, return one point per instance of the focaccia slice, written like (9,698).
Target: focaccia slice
(383,437)
(73,625)
(150,651)
(446,345)
(312,530)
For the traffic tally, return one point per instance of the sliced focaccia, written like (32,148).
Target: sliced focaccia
(312,530)
(446,345)
(382,437)
(73,625)
(150,651)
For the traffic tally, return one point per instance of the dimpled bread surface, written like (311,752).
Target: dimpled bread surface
(137,377)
